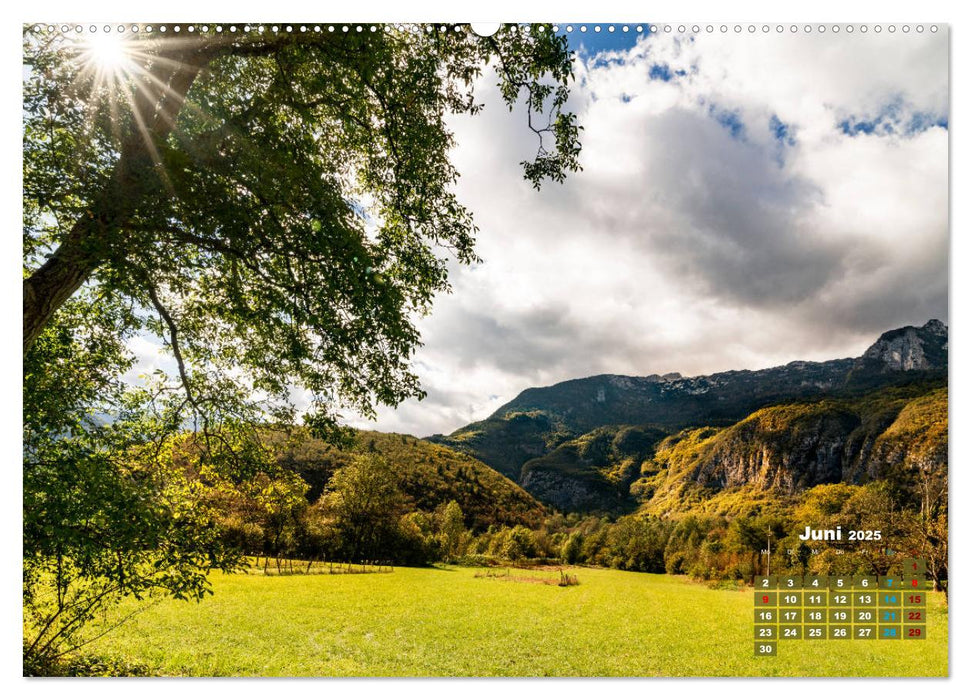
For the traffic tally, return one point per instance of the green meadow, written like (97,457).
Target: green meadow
(459,622)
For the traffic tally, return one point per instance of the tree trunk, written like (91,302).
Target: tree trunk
(157,103)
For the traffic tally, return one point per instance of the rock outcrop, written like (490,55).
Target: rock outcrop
(523,438)
(911,348)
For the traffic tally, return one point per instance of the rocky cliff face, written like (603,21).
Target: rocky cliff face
(895,435)
(772,450)
(593,472)
(568,493)
(523,438)
(910,348)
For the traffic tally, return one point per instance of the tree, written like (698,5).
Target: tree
(283,503)
(276,207)
(513,543)
(874,507)
(754,533)
(112,511)
(366,503)
(275,202)
(451,529)
(572,549)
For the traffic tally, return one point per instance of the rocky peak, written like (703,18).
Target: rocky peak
(936,327)
(911,348)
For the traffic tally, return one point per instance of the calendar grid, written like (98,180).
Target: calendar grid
(851,608)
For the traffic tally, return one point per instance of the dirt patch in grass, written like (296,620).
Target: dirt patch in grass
(564,579)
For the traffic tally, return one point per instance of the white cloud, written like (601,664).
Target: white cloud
(685,247)
(724,219)
(149,356)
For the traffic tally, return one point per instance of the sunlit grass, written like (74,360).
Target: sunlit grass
(448,622)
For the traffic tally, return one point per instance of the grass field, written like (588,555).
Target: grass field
(448,622)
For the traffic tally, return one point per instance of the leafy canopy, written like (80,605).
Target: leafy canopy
(278,203)
(277,206)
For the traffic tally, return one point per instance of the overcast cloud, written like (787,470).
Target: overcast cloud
(746,201)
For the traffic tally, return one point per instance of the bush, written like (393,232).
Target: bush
(572,550)
(83,666)
(514,543)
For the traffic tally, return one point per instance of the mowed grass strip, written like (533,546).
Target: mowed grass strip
(448,622)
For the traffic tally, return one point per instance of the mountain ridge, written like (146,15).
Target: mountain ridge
(540,420)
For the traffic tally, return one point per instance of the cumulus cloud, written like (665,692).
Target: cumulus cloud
(745,201)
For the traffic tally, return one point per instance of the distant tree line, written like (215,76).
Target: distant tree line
(364,516)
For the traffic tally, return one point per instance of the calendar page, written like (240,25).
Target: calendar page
(477,350)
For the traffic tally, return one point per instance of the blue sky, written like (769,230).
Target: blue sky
(594,42)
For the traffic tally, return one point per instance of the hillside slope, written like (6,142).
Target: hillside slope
(540,420)
(431,475)
(593,472)
(895,435)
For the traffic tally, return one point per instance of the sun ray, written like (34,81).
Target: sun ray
(119,73)
(143,130)
(109,51)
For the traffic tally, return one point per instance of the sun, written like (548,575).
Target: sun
(107,62)
(108,53)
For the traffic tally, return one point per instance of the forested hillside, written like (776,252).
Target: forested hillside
(428,475)
(540,420)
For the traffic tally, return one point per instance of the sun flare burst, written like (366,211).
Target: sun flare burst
(108,53)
